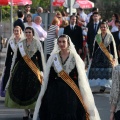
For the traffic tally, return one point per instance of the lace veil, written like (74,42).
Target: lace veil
(82,81)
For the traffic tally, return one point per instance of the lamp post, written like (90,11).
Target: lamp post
(11,16)
(51,7)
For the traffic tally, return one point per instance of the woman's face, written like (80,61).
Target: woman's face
(63,43)
(29,34)
(17,31)
(29,19)
(113,17)
(103,28)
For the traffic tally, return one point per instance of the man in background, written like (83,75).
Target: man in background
(92,31)
(39,11)
(27,11)
(42,34)
(19,21)
(75,33)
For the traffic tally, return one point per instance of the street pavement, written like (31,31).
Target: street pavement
(101,100)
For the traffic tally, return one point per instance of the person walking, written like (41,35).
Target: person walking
(26,75)
(92,31)
(65,94)
(104,58)
(11,47)
(75,33)
(19,21)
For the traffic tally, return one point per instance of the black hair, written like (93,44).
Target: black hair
(27,5)
(117,21)
(95,13)
(80,9)
(116,16)
(30,28)
(64,36)
(72,16)
(104,22)
(94,9)
(19,13)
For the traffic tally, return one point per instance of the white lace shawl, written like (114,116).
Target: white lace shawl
(83,85)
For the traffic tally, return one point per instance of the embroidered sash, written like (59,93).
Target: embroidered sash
(103,48)
(67,79)
(30,63)
(12,45)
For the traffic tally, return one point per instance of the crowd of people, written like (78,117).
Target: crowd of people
(58,87)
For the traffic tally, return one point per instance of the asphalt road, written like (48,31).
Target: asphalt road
(101,100)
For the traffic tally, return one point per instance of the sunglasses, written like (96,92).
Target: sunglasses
(27,32)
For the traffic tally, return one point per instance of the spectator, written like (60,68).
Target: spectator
(116,36)
(114,17)
(29,22)
(42,34)
(39,11)
(93,10)
(27,11)
(92,31)
(52,34)
(75,33)
(82,14)
(64,24)
(59,16)
(115,27)
(19,21)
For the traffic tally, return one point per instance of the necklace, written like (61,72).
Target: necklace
(28,45)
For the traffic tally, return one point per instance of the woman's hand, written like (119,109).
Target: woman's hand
(112,116)
(113,62)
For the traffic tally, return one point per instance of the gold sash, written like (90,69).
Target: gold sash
(33,67)
(103,48)
(74,87)
(67,79)
(29,62)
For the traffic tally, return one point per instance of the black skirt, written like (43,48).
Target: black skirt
(117,115)
(59,101)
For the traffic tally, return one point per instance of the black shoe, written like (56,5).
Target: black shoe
(31,115)
(102,89)
(26,118)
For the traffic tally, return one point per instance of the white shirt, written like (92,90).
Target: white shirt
(72,26)
(83,16)
(88,17)
(41,32)
(114,29)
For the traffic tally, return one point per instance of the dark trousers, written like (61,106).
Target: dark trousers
(117,115)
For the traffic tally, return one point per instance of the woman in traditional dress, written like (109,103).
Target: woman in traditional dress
(26,75)
(11,47)
(103,59)
(65,93)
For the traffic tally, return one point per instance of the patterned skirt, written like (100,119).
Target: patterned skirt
(100,72)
